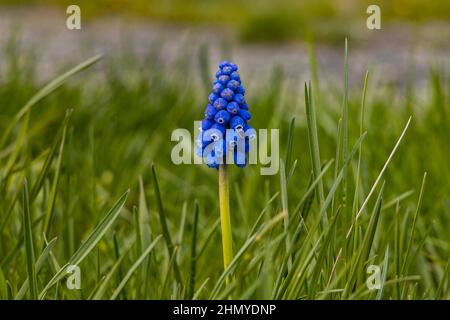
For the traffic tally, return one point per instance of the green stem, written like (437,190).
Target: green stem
(225,221)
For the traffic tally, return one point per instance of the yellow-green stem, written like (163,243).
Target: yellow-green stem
(225,221)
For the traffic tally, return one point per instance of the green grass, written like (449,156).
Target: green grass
(308,233)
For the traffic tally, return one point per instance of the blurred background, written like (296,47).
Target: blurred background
(159,59)
(259,33)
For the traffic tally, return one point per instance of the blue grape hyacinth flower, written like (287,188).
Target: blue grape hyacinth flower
(224,128)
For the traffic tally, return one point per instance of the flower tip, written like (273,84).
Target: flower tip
(233,108)
(223,63)
(222,117)
(220,103)
(210,112)
(237,123)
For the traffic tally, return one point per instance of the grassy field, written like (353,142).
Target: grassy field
(360,185)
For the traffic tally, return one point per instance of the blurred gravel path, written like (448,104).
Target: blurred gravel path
(391,49)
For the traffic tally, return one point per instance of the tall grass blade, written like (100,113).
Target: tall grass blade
(53,193)
(384,275)
(377,180)
(288,157)
(361,129)
(101,290)
(345,123)
(193,254)
(313,141)
(133,268)
(29,242)
(165,229)
(413,228)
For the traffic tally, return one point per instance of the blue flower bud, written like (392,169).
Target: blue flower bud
(233,108)
(212,97)
(217,88)
(220,104)
(227,94)
(240,89)
(239,98)
(218,131)
(237,123)
(235,76)
(233,66)
(207,123)
(210,112)
(244,106)
(223,79)
(222,117)
(244,114)
(224,63)
(233,85)
(227,69)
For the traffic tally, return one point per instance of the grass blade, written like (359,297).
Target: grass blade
(39,264)
(284,206)
(345,123)
(360,259)
(29,242)
(193,254)
(361,129)
(134,267)
(4,295)
(289,145)
(50,210)
(144,224)
(165,229)
(413,228)
(384,275)
(107,279)
(313,141)
(377,180)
